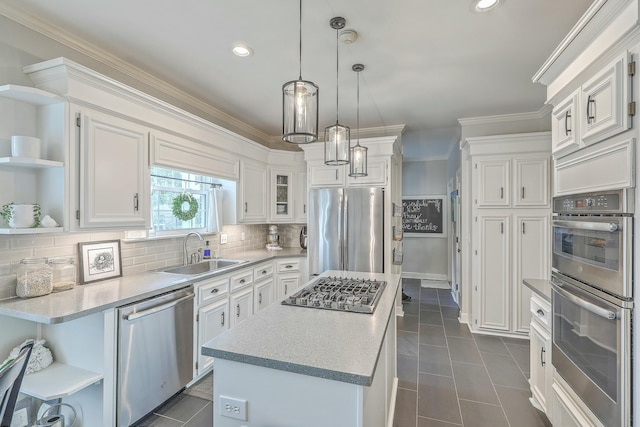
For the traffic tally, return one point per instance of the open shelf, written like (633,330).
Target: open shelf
(31,230)
(28,94)
(57,381)
(28,162)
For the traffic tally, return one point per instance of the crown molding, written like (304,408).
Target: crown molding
(505,118)
(102,56)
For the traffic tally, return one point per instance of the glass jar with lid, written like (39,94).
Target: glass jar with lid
(64,273)
(34,278)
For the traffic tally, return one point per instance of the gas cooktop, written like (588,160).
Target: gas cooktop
(339,293)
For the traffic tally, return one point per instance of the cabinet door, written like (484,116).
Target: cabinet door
(531,262)
(282,187)
(565,136)
(114,175)
(531,181)
(263,294)
(494,273)
(301,198)
(604,99)
(253,192)
(287,285)
(493,182)
(540,364)
(322,175)
(376,174)
(241,304)
(213,319)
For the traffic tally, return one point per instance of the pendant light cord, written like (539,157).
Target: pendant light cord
(300,46)
(337,80)
(358,109)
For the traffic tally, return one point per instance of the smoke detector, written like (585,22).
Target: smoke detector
(348,36)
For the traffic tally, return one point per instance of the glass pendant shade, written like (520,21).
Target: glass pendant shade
(358,163)
(336,144)
(299,112)
(300,105)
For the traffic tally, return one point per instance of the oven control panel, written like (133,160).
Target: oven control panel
(595,203)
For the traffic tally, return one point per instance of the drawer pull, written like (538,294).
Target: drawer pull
(260,298)
(285,289)
(288,266)
(540,312)
(214,290)
(242,281)
(542,352)
(263,272)
(567,116)
(222,319)
(238,310)
(591,106)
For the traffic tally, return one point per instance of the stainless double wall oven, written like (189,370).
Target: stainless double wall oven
(592,299)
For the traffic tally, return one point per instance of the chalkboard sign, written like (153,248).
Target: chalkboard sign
(424,216)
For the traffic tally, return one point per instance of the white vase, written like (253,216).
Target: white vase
(21,216)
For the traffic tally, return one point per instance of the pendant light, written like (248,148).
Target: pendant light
(336,137)
(358,164)
(300,106)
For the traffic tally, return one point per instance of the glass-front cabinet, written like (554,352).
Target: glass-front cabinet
(281,195)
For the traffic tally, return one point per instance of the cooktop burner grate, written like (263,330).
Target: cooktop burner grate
(339,293)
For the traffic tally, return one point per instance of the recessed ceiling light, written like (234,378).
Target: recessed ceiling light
(241,50)
(479,6)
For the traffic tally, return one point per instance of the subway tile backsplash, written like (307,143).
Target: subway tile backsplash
(137,256)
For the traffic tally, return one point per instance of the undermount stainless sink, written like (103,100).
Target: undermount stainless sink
(203,267)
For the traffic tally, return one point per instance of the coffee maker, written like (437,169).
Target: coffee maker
(273,238)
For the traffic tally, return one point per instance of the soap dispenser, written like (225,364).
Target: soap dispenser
(207,251)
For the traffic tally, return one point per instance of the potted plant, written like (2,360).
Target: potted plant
(20,215)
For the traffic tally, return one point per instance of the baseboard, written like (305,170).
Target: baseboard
(464,318)
(427,276)
(392,406)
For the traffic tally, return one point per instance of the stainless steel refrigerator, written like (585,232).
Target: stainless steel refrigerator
(346,229)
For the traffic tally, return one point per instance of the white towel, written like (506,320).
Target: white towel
(40,358)
(215,212)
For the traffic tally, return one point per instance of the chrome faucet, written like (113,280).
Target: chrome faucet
(184,247)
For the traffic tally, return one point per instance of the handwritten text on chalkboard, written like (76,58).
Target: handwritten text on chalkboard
(422,215)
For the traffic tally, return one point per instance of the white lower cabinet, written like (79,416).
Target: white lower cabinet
(263,294)
(540,365)
(241,304)
(213,319)
(288,279)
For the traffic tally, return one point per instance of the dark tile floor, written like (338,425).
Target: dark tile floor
(449,377)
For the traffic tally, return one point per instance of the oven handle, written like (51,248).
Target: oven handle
(602,312)
(593,226)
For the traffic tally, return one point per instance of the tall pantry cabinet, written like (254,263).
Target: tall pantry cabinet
(510,230)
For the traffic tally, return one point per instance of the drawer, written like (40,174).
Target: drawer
(263,271)
(541,310)
(290,266)
(212,290)
(241,280)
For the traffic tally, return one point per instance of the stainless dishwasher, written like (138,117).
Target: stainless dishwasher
(155,352)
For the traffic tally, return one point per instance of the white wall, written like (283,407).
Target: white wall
(425,257)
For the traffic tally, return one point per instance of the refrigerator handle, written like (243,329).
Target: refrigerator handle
(345,240)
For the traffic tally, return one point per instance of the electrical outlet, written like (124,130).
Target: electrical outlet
(243,236)
(233,408)
(223,238)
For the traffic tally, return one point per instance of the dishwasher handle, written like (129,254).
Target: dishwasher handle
(157,308)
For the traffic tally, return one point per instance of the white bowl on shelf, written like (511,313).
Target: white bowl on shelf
(25,146)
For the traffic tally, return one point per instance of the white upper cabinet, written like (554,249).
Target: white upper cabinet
(114,174)
(564,125)
(531,183)
(376,174)
(252,200)
(605,99)
(494,189)
(322,175)
(282,190)
(301,198)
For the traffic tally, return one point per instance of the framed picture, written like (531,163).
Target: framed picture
(99,260)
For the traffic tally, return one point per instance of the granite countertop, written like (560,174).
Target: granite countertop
(340,346)
(541,287)
(84,300)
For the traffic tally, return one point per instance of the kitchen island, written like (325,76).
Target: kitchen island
(297,366)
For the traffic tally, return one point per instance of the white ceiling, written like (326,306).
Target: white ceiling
(428,62)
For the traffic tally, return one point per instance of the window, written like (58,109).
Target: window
(167,184)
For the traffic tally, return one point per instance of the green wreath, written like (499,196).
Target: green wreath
(181,214)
